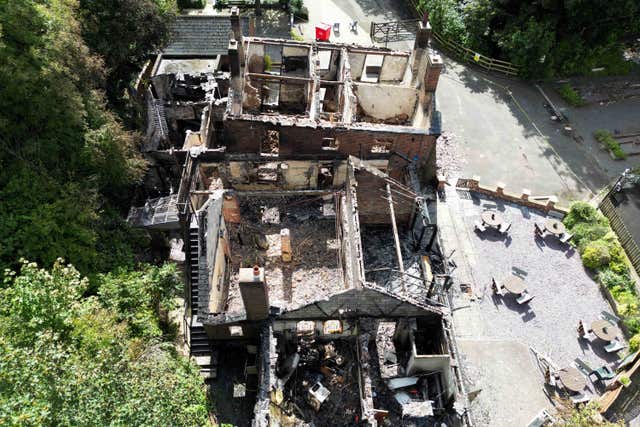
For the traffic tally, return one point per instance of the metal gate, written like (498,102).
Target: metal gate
(395,31)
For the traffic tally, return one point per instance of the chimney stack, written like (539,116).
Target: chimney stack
(255,294)
(420,47)
(234,59)
(434,67)
(237,31)
(424,33)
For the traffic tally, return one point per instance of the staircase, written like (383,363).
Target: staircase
(206,358)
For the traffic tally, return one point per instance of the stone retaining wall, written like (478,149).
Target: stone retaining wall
(524,198)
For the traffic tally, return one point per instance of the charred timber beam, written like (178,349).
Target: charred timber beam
(394,226)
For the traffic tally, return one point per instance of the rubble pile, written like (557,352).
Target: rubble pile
(381,266)
(313,270)
(323,389)
(448,157)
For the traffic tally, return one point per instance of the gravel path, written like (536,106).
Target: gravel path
(564,291)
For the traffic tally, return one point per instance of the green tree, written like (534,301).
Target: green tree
(66,158)
(66,360)
(123,33)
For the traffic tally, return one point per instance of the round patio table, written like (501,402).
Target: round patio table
(491,218)
(572,379)
(554,226)
(514,284)
(605,330)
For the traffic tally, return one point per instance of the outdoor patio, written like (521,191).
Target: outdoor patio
(563,294)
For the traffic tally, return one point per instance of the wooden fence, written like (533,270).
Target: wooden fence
(626,240)
(468,55)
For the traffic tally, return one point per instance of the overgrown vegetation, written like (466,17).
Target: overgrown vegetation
(191,4)
(583,416)
(296,36)
(602,253)
(74,351)
(545,38)
(605,138)
(69,162)
(67,359)
(570,95)
(299,10)
(268,63)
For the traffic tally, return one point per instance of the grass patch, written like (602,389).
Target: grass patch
(570,95)
(602,253)
(605,138)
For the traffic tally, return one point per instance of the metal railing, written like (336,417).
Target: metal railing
(395,31)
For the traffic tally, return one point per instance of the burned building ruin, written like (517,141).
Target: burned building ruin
(295,173)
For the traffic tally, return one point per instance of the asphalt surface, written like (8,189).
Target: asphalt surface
(504,134)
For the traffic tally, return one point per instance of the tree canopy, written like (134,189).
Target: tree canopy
(69,360)
(547,37)
(68,161)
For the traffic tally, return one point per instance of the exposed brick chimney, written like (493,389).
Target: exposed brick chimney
(420,47)
(234,59)
(252,26)
(434,67)
(424,33)
(255,294)
(237,30)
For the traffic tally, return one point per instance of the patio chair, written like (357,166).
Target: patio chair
(603,373)
(582,333)
(336,28)
(353,27)
(566,237)
(580,398)
(524,298)
(542,419)
(539,230)
(610,317)
(504,227)
(614,346)
(478,226)
(582,366)
(495,287)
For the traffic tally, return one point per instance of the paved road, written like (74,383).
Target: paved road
(499,137)
(504,134)
(623,116)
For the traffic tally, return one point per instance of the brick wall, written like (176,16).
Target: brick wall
(245,136)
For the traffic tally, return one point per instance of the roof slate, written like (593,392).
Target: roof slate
(200,36)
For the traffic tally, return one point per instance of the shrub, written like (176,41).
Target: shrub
(625,381)
(583,234)
(613,280)
(605,138)
(296,36)
(191,4)
(570,95)
(596,255)
(584,212)
(634,343)
(267,63)
(627,303)
(299,11)
(632,323)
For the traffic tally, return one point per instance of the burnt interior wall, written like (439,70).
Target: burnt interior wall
(246,136)
(373,207)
